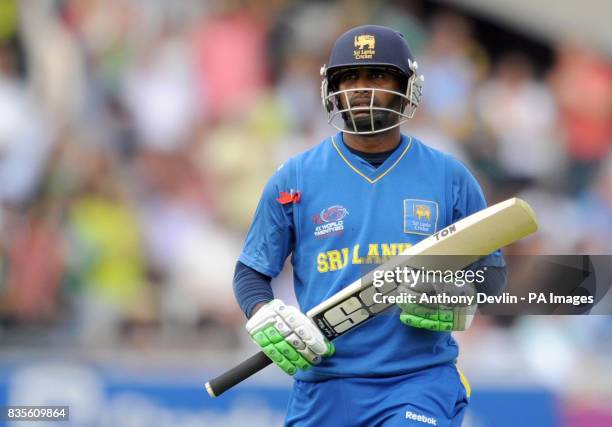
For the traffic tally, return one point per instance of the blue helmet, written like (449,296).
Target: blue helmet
(371,46)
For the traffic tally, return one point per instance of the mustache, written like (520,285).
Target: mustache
(363,101)
(360,98)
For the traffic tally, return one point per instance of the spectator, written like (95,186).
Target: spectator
(35,267)
(25,139)
(451,74)
(597,201)
(582,83)
(230,57)
(159,93)
(519,115)
(106,254)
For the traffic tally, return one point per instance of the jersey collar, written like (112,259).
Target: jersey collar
(365,169)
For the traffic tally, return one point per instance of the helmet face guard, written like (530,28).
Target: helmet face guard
(371,46)
(381,118)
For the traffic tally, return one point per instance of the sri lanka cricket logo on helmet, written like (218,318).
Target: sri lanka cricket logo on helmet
(371,46)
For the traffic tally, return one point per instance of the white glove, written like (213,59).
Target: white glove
(288,337)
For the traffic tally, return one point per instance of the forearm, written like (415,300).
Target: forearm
(252,289)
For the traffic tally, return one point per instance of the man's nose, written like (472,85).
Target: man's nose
(362,80)
(362,85)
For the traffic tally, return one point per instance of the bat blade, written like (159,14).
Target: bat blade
(453,247)
(464,242)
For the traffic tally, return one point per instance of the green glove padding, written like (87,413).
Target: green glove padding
(288,337)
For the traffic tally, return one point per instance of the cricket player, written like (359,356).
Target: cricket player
(364,194)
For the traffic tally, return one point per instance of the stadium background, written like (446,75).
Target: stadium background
(135,139)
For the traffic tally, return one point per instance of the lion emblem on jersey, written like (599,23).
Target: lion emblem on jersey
(422,212)
(420,216)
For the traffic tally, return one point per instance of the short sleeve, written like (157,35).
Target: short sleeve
(271,236)
(468,199)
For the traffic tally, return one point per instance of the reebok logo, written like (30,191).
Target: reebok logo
(422,418)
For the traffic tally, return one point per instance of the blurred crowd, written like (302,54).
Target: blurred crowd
(136,137)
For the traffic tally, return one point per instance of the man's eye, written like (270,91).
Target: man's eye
(348,76)
(379,76)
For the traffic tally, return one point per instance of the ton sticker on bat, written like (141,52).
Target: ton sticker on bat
(447,231)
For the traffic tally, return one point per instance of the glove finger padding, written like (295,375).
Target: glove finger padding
(288,337)
(441,319)
(426,311)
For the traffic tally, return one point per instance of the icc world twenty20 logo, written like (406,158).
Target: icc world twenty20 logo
(329,221)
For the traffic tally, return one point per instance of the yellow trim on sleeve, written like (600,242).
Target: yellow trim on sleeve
(465,382)
(371,181)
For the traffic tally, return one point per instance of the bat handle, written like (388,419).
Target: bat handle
(241,372)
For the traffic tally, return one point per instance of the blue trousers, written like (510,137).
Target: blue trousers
(436,396)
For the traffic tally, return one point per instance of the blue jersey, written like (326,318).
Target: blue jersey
(338,216)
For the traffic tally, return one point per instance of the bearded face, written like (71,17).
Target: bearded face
(369,98)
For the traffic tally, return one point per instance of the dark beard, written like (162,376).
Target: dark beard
(363,123)
(382,119)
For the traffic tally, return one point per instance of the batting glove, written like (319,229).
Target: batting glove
(438,316)
(288,337)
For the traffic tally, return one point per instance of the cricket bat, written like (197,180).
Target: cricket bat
(463,243)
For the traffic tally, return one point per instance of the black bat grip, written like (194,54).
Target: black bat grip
(239,373)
